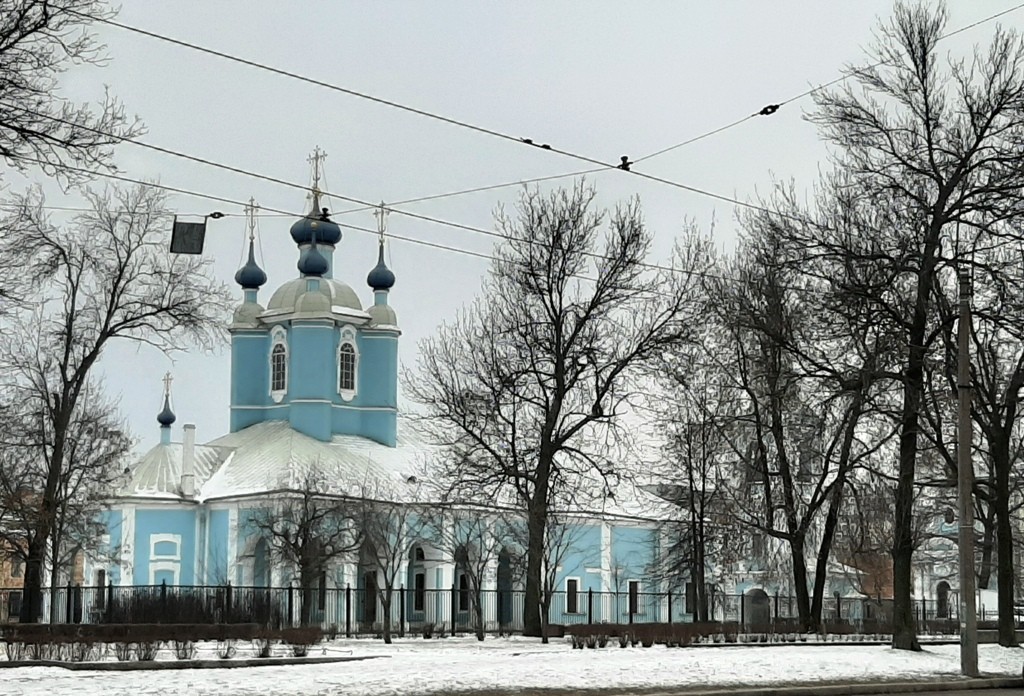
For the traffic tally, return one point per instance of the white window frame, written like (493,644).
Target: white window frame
(579,586)
(278,337)
(155,539)
(348,338)
(165,562)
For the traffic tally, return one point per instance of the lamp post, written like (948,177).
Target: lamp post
(965,484)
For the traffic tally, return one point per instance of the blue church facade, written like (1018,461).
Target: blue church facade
(314,383)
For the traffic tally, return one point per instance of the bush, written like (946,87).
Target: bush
(301,639)
(146,650)
(184,649)
(15,650)
(124,651)
(226,649)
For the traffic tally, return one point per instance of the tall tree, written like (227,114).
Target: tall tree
(308,527)
(40,40)
(107,276)
(932,146)
(525,391)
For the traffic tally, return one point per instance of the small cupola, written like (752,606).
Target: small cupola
(251,276)
(381,277)
(166,416)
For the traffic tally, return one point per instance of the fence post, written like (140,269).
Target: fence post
(670,606)
(227,602)
(590,605)
(401,612)
(348,610)
(777,606)
(743,613)
(839,606)
(67,603)
(291,606)
(453,609)
(163,595)
(110,599)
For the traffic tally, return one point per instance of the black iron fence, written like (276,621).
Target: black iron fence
(357,610)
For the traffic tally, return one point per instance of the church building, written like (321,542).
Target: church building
(314,385)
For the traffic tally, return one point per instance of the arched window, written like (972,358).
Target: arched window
(278,368)
(278,364)
(347,367)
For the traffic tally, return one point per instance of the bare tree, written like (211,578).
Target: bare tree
(309,527)
(391,522)
(105,277)
(473,536)
(931,147)
(524,392)
(39,40)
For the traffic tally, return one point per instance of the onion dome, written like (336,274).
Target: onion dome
(381,277)
(316,224)
(312,262)
(251,276)
(166,417)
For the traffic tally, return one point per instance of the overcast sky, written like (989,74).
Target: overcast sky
(602,79)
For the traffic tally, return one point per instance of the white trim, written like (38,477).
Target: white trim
(278,337)
(165,566)
(347,338)
(127,550)
(155,539)
(232,549)
(349,407)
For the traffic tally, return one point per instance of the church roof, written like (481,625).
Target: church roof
(341,296)
(158,473)
(271,456)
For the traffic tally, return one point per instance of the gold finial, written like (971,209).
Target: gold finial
(381,213)
(316,159)
(251,209)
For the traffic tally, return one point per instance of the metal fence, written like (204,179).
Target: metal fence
(353,611)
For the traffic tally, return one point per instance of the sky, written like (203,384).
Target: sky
(600,79)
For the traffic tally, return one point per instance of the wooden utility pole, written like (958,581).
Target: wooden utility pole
(965,466)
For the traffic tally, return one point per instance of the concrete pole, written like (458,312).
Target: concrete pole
(965,466)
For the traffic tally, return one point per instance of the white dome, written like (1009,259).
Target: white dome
(338,294)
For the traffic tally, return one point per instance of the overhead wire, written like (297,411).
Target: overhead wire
(625,164)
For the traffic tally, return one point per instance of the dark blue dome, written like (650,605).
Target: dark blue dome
(327,232)
(381,277)
(312,262)
(166,417)
(250,276)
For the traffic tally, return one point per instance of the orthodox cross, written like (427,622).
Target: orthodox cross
(250,217)
(381,213)
(316,159)
(167,383)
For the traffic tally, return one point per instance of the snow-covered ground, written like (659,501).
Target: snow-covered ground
(416,666)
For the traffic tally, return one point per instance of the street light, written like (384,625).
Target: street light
(965,484)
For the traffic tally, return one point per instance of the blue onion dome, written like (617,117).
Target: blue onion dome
(318,224)
(381,277)
(251,276)
(166,417)
(312,262)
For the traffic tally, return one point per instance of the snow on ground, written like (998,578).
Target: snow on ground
(416,666)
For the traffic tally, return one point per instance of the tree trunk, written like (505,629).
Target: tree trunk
(32,593)
(385,605)
(536,527)
(988,545)
(478,613)
(1004,551)
(803,600)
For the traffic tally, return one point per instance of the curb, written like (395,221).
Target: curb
(186,664)
(858,689)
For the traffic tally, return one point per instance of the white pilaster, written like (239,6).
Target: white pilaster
(606,571)
(127,550)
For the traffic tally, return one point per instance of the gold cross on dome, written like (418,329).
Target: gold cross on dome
(167,383)
(316,159)
(381,213)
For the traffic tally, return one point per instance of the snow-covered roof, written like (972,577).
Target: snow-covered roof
(158,473)
(272,456)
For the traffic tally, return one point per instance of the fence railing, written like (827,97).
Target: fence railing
(359,610)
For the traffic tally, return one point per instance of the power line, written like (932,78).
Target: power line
(625,162)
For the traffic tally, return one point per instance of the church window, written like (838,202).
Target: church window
(347,368)
(348,364)
(278,364)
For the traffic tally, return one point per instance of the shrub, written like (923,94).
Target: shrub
(84,650)
(226,649)
(124,650)
(301,639)
(184,649)
(146,650)
(15,650)
(428,630)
